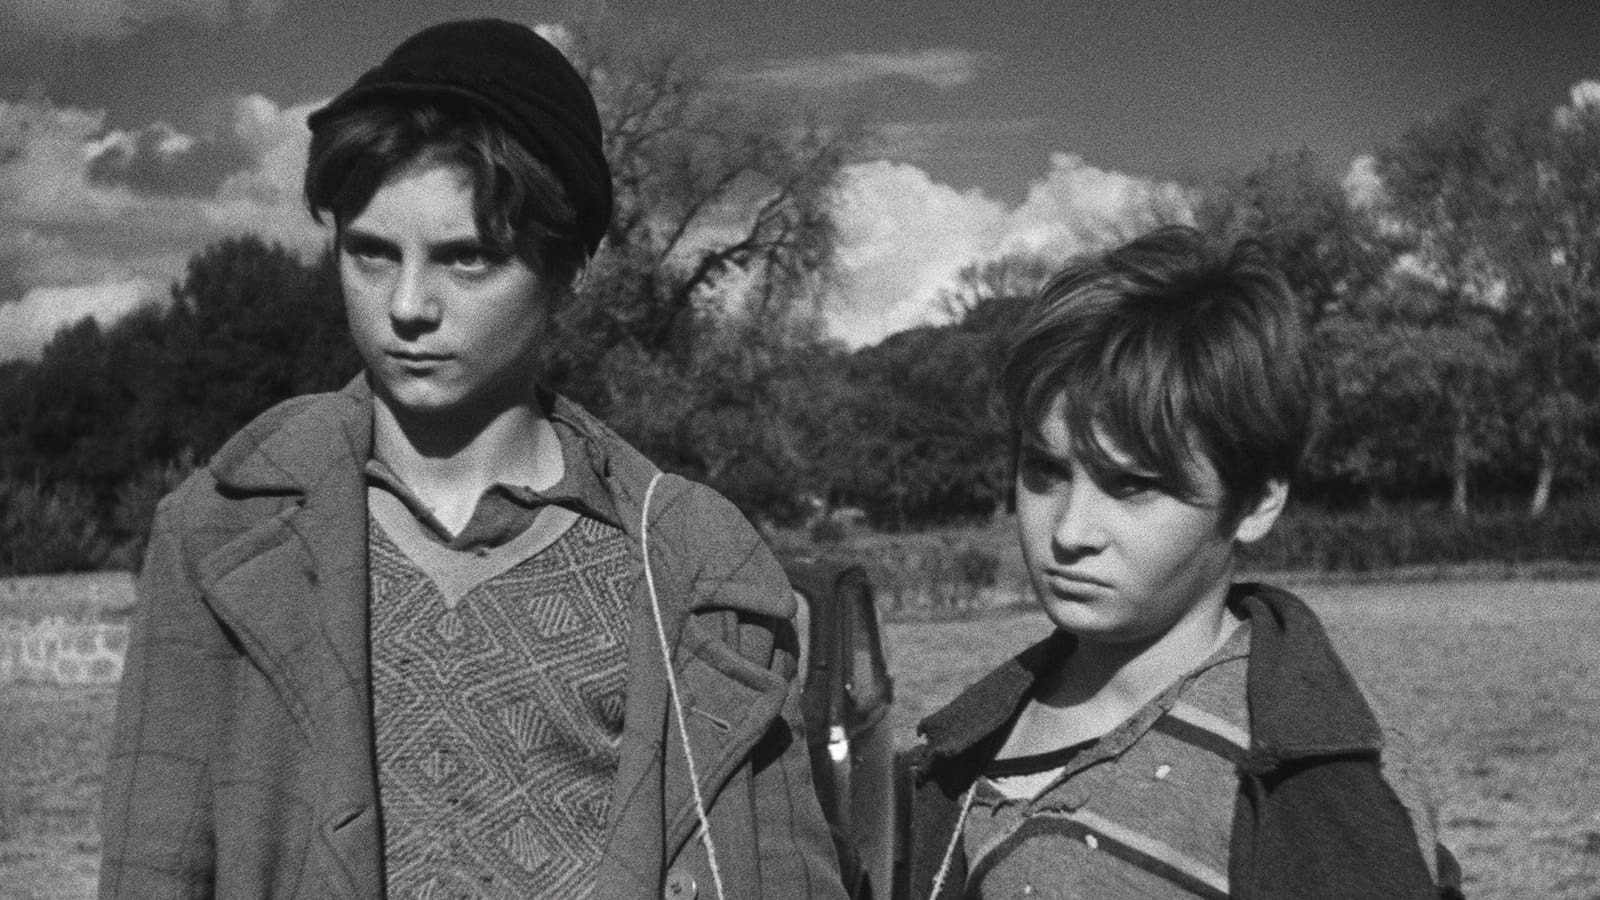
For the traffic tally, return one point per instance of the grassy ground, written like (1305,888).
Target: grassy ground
(52,749)
(52,756)
(1498,681)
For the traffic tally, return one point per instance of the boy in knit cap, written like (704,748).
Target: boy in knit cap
(442,633)
(1175,734)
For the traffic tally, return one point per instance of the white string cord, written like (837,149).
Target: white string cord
(672,689)
(950,849)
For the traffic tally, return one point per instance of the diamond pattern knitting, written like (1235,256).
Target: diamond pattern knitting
(499,720)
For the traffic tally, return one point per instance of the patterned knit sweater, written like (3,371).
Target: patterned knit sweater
(498,716)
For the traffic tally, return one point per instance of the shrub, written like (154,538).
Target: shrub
(827,531)
(47,530)
(1425,535)
(949,569)
(976,566)
(136,508)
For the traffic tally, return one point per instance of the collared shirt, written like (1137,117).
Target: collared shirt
(1143,812)
(506,510)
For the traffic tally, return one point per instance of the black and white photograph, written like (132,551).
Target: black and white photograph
(755,450)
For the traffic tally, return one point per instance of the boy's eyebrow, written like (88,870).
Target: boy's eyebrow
(1034,453)
(472,244)
(349,233)
(1108,461)
(469,243)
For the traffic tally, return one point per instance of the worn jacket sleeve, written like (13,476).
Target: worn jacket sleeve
(157,836)
(794,847)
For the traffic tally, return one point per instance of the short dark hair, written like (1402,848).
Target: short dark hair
(1166,346)
(518,203)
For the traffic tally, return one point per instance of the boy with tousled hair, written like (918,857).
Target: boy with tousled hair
(442,633)
(1177,734)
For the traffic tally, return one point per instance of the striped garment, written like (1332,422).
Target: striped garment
(1144,812)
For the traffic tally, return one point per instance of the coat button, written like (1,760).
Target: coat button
(680,886)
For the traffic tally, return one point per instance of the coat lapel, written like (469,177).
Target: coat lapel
(293,587)
(729,702)
(1304,703)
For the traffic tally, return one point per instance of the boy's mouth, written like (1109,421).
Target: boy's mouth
(417,356)
(1072,581)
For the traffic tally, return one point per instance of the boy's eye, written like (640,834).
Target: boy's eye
(1131,484)
(370,251)
(473,258)
(1038,472)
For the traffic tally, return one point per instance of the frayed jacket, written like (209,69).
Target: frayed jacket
(242,762)
(1315,815)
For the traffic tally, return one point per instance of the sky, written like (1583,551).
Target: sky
(133,132)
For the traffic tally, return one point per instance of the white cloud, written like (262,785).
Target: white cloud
(1586,94)
(902,237)
(25,327)
(944,68)
(266,199)
(905,237)
(1078,207)
(55,227)
(43,152)
(1361,182)
(113,19)
(63,226)
(1585,97)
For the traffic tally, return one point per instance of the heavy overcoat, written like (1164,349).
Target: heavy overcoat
(243,765)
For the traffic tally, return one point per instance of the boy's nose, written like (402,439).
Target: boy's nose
(1079,524)
(411,300)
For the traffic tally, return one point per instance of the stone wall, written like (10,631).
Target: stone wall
(60,651)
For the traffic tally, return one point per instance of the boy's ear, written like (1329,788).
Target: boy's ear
(1259,518)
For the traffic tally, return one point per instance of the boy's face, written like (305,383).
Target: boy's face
(1123,561)
(444,322)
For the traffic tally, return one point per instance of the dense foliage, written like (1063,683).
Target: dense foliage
(110,419)
(1455,324)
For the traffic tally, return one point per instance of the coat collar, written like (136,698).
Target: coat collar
(291,450)
(288,449)
(1303,702)
(983,709)
(292,447)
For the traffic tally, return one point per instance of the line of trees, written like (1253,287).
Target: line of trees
(1456,316)
(1455,321)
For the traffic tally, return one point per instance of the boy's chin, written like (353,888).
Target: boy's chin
(1093,623)
(1085,620)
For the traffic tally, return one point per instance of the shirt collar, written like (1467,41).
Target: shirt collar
(985,708)
(580,488)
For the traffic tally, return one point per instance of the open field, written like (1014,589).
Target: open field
(1498,682)
(52,756)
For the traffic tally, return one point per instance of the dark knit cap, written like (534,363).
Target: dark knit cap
(518,78)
